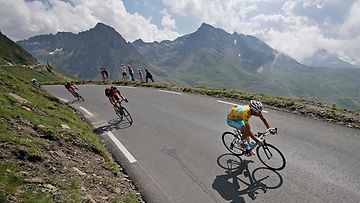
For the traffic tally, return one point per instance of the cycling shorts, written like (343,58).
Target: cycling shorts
(235,123)
(115,97)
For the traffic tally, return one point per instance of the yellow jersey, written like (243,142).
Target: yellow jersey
(240,112)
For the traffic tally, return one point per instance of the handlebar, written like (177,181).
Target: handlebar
(122,100)
(270,130)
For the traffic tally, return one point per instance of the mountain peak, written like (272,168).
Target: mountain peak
(205,27)
(99,25)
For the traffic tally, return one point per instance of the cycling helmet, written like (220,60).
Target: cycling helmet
(113,87)
(255,106)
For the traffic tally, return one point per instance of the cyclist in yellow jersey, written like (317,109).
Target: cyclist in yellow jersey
(238,117)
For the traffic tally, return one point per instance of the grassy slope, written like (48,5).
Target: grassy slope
(45,111)
(17,56)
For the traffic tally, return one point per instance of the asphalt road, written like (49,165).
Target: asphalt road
(174,153)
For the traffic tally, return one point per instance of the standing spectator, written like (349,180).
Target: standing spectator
(104,74)
(148,76)
(140,74)
(123,72)
(131,73)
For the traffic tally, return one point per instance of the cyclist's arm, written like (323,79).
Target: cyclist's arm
(264,120)
(118,92)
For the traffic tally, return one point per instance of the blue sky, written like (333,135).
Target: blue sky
(296,27)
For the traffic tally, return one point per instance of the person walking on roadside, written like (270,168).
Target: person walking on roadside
(124,77)
(131,73)
(148,76)
(140,74)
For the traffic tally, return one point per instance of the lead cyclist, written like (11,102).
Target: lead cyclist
(238,117)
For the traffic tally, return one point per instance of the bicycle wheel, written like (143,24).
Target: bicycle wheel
(230,141)
(118,112)
(271,156)
(127,115)
(81,98)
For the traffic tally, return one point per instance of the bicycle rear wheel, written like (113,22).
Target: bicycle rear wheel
(80,97)
(230,141)
(127,115)
(271,156)
(118,112)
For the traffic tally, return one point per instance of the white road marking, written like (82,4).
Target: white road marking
(86,111)
(121,147)
(171,92)
(64,100)
(130,87)
(224,102)
(233,104)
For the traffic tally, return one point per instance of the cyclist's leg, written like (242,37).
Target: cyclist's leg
(111,100)
(247,134)
(237,124)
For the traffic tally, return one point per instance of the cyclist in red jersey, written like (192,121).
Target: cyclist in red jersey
(70,87)
(114,95)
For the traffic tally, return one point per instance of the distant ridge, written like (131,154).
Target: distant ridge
(85,53)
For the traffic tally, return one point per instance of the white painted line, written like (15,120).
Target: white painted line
(130,87)
(224,102)
(90,85)
(64,100)
(171,92)
(121,147)
(86,111)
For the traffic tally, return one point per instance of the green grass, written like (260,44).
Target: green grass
(129,198)
(34,195)
(45,117)
(9,179)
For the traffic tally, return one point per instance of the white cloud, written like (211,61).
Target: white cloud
(298,27)
(20,19)
(351,26)
(167,21)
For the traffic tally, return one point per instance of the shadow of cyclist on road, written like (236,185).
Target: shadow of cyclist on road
(232,188)
(114,124)
(74,101)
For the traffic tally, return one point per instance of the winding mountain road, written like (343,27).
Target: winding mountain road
(174,153)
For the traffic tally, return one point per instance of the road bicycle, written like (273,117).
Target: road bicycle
(122,111)
(77,95)
(268,154)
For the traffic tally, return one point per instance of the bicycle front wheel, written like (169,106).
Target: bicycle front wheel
(271,157)
(230,141)
(127,115)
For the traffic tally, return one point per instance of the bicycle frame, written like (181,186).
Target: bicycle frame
(118,102)
(259,135)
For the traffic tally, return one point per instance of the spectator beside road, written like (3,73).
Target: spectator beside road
(140,74)
(124,77)
(148,76)
(104,74)
(131,73)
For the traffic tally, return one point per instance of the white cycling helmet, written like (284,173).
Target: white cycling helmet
(256,106)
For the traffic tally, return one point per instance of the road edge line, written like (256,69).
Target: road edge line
(121,147)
